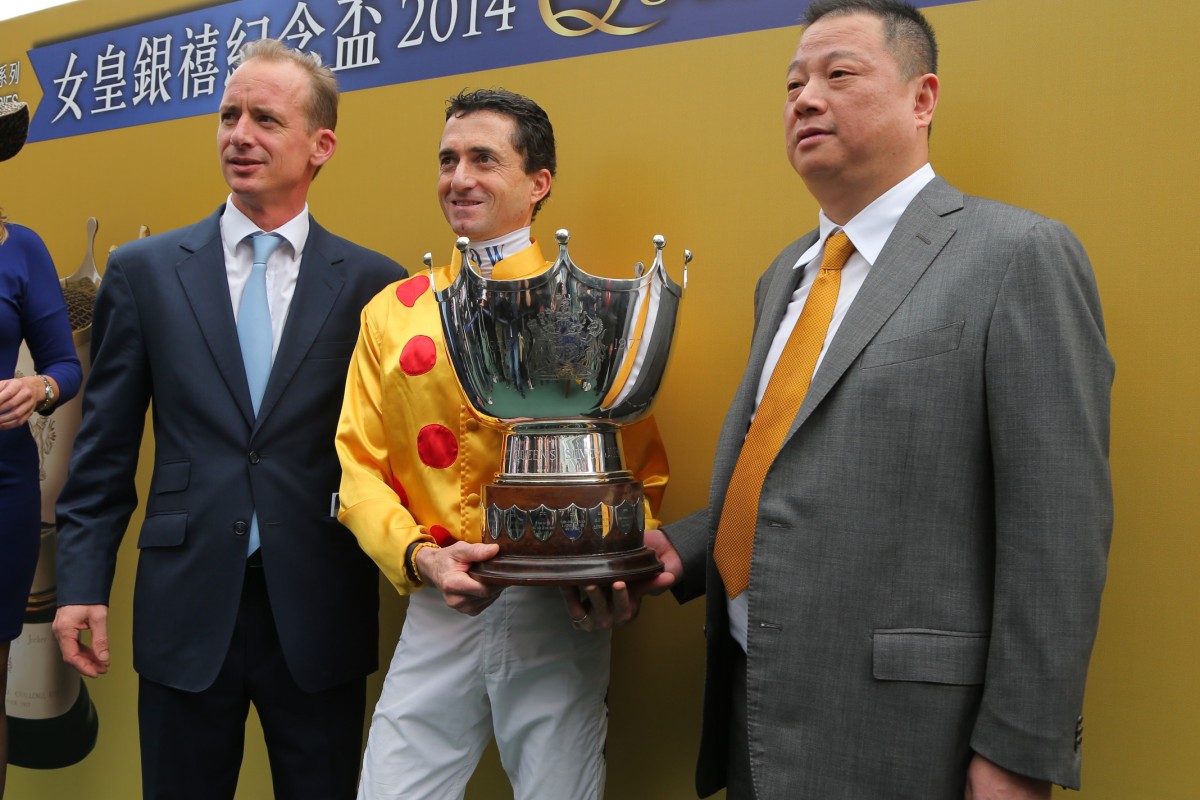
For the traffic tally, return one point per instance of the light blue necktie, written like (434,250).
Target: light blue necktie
(254,334)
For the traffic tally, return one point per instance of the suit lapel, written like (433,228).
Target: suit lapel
(920,235)
(776,289)
(317,288)
(201,272)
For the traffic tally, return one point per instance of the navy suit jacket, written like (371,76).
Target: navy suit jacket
(164,336)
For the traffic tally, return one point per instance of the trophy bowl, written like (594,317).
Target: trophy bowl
(560,362)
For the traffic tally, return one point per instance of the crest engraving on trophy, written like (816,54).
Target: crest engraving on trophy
(566,346)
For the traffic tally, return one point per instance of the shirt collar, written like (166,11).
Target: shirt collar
(486,255)
(521,264)
(870,228)
(236,226)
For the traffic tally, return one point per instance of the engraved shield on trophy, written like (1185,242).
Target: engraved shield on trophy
(561,362)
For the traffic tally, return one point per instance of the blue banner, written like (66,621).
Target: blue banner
(177,66)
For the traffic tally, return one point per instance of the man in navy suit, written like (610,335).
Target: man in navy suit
(247,590)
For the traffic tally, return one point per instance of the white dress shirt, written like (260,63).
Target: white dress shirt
(869,232)
(283,265)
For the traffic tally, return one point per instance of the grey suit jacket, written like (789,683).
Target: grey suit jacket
(932,537)
(164,332)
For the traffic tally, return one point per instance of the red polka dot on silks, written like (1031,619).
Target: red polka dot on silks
(398,488)
(443,537)
(437,446)
(418,356)
(408,291)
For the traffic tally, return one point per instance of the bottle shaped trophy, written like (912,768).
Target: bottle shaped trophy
(52,721)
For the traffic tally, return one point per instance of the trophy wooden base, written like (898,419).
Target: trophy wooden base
(600,569)
(565,535)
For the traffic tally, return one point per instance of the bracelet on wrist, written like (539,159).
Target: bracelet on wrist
(47,401)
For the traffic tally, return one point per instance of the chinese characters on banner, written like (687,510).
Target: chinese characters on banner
(177,66)
(10,76)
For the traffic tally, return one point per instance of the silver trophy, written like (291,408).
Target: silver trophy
(560,362)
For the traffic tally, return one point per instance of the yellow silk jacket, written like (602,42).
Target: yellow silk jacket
(415,457)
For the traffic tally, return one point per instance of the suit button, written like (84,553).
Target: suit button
(254,457)
(472,424)
(240,528)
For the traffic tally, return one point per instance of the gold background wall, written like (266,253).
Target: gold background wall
(1083,111)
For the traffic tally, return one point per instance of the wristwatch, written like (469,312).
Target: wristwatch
(47,401)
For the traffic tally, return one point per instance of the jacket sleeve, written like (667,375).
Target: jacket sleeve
(689,536)
(46,327)
(370,505)
(95,504)
(1049,376)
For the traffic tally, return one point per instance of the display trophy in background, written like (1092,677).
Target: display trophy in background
(561,362)
(52,721)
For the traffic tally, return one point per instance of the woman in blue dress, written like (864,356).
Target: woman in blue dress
(32,310)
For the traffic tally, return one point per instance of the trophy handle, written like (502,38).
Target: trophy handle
(87,268)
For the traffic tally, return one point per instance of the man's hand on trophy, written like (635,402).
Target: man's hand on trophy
(69,623)
(446,568)
(595,608)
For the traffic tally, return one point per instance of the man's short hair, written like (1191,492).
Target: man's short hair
(322,111)
(533,137)
(907,33)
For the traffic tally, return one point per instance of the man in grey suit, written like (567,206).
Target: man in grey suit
(924,564)
(248,589)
